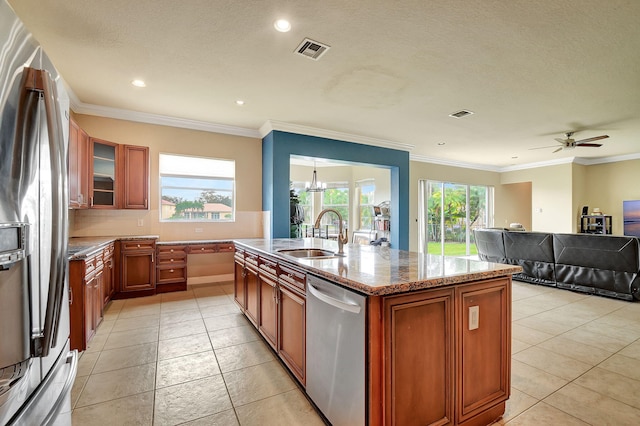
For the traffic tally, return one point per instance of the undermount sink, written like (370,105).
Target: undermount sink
(308,253)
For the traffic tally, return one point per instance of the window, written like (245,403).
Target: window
(196,189)
(449,213)
(336,196)
(366,192)
(305,200)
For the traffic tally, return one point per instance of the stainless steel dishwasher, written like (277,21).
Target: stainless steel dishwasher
(336,351)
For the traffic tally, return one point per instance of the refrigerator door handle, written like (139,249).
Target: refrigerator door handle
(40,81)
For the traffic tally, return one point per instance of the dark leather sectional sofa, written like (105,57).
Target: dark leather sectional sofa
(599,264)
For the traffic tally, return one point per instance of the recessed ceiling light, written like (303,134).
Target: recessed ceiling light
(441,143)
(240,102)
(514,157)
(139,83)
(282,25)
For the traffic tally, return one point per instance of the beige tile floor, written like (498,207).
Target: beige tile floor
(192,358)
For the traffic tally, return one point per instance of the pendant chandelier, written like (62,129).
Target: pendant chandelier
(315,185)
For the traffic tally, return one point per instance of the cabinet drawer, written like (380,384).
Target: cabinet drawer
(108,250)
(169,250)
(138,245)
(251,259)
(225,247)
(293,277)
(268,266)
(172,259)
(172,274)
(202,248)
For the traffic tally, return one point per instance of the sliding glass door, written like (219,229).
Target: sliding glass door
(449,213)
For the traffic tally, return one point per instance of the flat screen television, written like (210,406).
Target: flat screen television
(631,217)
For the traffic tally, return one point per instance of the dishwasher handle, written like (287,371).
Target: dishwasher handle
(345,306)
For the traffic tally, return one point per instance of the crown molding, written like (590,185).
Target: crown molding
(272,125)
(451,163)
(556,162)
(605,160)
(162,120)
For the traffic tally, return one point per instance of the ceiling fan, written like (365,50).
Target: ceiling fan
(569,143)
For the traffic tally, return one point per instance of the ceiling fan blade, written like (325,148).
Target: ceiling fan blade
(562,141)
(596,138)
(542,147)
(594,145)
(559,149)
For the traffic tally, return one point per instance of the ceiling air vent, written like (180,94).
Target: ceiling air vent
(460,114)
(311,49)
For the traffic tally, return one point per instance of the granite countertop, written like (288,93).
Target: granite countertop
(81,247)
(191,242)
(376,270)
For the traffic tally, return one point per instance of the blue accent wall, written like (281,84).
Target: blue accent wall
(277,148)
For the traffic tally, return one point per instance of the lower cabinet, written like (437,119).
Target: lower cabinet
(273,299)
(459,371)
(291,338)
(171,268)
(138,270)
(239,283)
(251,283)
(268,312)
(86,281)
(108,281)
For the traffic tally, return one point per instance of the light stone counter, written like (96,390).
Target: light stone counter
(376,270)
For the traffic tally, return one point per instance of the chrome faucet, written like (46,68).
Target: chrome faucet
(343,238)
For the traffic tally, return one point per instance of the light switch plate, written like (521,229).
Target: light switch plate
(474,317)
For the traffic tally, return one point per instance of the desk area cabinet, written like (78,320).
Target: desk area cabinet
(137,267)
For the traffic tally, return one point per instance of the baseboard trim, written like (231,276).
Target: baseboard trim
(207,279)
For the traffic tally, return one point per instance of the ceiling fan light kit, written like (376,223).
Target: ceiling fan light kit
(569,143)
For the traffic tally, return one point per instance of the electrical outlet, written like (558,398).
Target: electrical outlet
(198,230)
(140,222)
(474,317)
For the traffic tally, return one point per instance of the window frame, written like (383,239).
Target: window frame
(215,189)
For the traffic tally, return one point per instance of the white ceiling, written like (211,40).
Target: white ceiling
(530,70)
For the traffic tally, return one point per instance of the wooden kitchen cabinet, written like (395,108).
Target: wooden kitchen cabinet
(78,166)
(103,174)
(483,360)
(268,312)
(459,374)
(426,317)
(119,175)
(171,264)
(291,329)
(135,174)
(108,282)
(137,267)
(239,282)
(252,287)
(272,296)
(86,278)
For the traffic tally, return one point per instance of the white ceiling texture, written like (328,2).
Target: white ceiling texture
(529,70)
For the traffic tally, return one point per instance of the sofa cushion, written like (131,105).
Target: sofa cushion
(599,264)
(533,251)
(490,245)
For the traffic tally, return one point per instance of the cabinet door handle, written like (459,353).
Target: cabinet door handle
(171,260)
(171,250)
(171,270)
(91,201)
(138,245)
(202,248)
(151,257)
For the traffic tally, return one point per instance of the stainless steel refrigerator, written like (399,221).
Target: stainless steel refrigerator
(37,368)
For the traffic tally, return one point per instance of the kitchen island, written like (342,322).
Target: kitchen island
(437,330)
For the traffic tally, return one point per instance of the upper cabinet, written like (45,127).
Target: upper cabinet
(78,167)
(135,165)
(103,182)
(106,175)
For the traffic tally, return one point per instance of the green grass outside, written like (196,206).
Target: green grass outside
(452,249)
